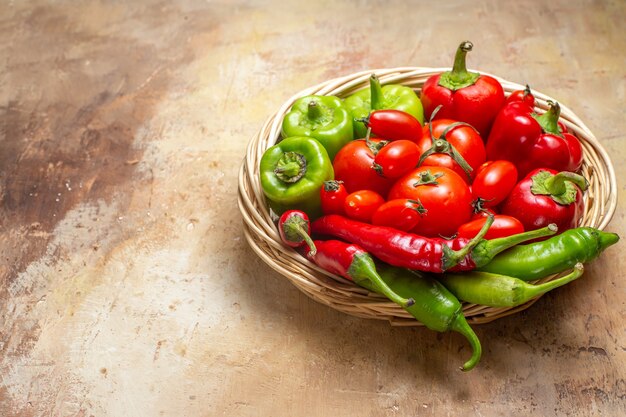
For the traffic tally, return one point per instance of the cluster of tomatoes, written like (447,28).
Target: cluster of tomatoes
(432,180)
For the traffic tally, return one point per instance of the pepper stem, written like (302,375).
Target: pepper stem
(460,325)
(377,97)
(549,121)
(363,269)
(484,252)
(459,77)
(556,183)
(290,167)
(313,110)
(528,291)
(296,231)
(452,257)
(560,187)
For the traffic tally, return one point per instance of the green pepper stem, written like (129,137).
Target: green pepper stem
(460,325)
(377,100)
(452,257)
(290,167)
(364,269)
(549,120)
(314,110)
(555,184)
(529,291)
(484,252)
(459,77)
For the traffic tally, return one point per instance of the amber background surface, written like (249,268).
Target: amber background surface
(126,286)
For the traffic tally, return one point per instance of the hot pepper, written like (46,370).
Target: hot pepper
(324,118)
(412,251)
(495,290)
(466,96)
(352,262)
(435,306)
(294,228)
(391,96)
(557,254)
(293,172)
(531,141)
(545,196)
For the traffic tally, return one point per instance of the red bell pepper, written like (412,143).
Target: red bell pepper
(532,141)
(466,96)
(546,196)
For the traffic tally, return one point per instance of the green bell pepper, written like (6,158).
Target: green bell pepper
(393,96)
(324,118)
(293,172)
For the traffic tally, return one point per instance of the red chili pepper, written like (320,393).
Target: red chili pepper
(546,196)
(524,95)
(466,96)
(294,228)
(532,141)
(412,251)
(352,262)
(392,124)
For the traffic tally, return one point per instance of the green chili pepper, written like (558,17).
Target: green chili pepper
(393,96)
(324,118)
(557,254)
(293,172)
(435,306)
(494,290)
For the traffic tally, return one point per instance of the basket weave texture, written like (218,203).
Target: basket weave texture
(341,294)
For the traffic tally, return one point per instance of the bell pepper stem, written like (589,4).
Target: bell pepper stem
(364,269)
(377,96)
(556,183)
(313,110)
(460,325)
(290,167)
(484,252)
(459,77)
(549,120)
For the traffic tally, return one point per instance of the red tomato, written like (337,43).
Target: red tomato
(502,226)
(392,124)
(396,158)
(333,194)
(353,165)
(361,205)
(443,193)
(494,182)
(402,214)
(464,138)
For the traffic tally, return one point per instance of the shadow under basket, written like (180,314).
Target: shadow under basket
(341,294)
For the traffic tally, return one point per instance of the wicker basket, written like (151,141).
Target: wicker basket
(340,294)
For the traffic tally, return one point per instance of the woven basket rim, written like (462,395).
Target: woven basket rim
(261,233)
